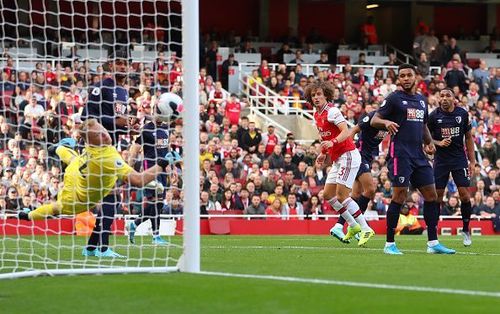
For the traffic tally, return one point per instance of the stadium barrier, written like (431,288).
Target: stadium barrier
(234,224)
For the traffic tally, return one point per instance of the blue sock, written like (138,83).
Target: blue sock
(431,217)
(392,220)
(466,210)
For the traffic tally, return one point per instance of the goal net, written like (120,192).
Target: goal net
(70,195)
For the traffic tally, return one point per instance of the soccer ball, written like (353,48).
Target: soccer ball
(169,107)
(155,185)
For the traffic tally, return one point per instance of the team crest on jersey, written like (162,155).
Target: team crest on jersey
(422,103)
(365,119)
(459,119)
(118,163)
(401,179)
(96,91)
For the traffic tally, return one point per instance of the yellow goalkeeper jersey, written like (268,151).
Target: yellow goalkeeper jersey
(90,176)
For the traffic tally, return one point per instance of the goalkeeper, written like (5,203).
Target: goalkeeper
(92,175)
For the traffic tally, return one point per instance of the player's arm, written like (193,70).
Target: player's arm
(353,131)
(429,147)
(135,149)
(141,179)
(379,120)
(469,145)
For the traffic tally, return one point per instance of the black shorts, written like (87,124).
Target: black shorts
(460,176)
(403,171)
(363,168)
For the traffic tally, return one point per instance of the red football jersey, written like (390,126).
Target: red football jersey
(327,120)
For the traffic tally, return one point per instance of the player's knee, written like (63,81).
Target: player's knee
(342,195)
(399,196)
(369,191)
(57,208)
(431,197)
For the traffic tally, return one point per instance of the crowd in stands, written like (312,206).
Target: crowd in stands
(244,169)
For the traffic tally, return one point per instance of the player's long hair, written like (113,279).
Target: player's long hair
(325,86)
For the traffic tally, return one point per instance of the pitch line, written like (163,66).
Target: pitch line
(263,247)
(357,284)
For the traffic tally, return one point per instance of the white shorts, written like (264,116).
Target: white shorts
(344,169)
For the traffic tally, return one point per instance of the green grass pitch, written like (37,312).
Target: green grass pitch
(313,257)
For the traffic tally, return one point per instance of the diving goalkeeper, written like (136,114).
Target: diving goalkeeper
(92,175)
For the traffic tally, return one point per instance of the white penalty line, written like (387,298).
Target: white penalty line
(356,284)
(361,249)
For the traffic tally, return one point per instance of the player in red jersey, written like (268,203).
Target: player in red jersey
(338,147)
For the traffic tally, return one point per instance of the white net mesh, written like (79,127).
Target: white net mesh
(65,62)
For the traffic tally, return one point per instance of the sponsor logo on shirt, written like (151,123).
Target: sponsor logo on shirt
(416,115)
(381,135)
(450,132)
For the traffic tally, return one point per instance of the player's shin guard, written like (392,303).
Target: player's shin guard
(353,208)
(392,220)
(431,217)
(343,212)
(466,210)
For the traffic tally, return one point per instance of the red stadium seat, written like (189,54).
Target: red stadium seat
(473,63)
(343,59)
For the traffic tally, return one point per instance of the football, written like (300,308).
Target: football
(169,107)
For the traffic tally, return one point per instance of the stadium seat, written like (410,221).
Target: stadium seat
(473,63)
(343,59)
(459,230)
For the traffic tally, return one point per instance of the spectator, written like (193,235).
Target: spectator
(276,160)
(251,139)
(228,201)
(233,108)
(369,32)
(12,202)
(256,207)
(230,62)
(452,207)
(481,76)
(278,194)
(292,208)
(408,224)
(456,77)
(314,207)
(274,209)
